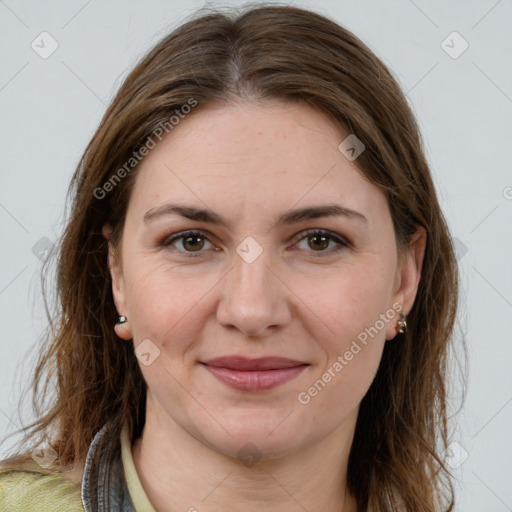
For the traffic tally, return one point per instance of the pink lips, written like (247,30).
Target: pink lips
(254,374)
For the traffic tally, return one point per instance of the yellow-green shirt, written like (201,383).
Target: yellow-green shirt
(32,490)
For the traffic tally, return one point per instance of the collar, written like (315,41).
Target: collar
(104,487)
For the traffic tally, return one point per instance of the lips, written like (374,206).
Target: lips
(246,364)
(253,375)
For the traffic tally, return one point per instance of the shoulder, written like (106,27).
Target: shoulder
(31,488)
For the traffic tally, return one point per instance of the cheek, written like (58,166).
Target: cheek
(158,302)
(352,356)
(352,315)
(349,301)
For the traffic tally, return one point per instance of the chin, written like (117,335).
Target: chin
(251,442)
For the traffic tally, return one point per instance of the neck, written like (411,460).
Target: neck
(179,472)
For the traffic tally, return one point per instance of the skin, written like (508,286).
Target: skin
(251,162)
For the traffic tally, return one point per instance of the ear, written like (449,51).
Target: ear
(118,284)
(408,277)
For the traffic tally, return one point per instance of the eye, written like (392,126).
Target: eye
(189,241)
(321,239)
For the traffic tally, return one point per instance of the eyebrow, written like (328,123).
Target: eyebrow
(287,218)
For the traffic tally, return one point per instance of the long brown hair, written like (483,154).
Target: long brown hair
(261,52)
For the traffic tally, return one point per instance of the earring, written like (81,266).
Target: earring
(402,324)
(121,320)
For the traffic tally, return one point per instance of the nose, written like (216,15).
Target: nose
(254,298)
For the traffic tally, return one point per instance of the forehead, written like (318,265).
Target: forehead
(228,157)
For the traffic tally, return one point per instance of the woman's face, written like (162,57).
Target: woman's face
(257,284)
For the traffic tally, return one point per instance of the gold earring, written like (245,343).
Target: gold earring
(402,324)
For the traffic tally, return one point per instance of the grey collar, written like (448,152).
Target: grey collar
(104,487)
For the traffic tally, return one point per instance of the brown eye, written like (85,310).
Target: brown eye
(319,240)
(192,242)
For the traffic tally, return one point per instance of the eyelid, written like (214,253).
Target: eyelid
(319,232)
(343,242)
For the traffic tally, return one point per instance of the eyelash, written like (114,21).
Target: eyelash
(343,244)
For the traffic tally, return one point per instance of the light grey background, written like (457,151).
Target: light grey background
(52,106)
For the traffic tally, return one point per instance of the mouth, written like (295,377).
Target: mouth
(254,374)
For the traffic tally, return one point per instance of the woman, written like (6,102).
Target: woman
(257,213)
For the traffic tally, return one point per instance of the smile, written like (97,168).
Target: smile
(257,374)
(255,380)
